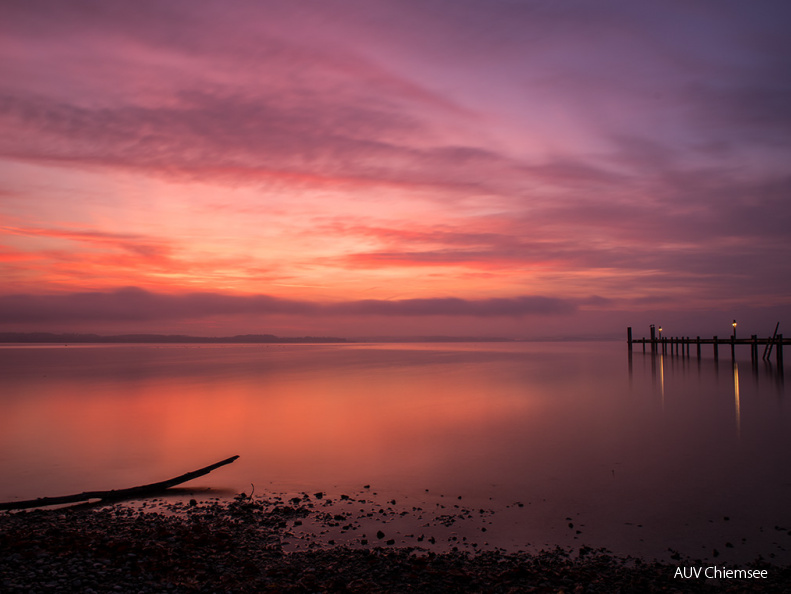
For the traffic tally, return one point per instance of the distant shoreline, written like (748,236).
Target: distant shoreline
(80,338)
(48,337)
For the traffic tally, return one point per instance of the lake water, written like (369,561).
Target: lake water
(558,443)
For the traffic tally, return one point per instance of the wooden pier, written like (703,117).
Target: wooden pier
(681,345)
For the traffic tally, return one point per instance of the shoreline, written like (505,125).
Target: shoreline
(243,545)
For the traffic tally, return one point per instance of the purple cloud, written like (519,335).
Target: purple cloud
(133,304)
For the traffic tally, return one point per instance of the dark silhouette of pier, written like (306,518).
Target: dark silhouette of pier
(682,345)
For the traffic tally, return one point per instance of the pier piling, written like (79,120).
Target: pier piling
(682,345)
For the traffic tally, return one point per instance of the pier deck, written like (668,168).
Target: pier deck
(682,344)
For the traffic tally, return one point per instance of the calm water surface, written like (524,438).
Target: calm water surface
(639,458)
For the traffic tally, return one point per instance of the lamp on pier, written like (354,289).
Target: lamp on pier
(734,329)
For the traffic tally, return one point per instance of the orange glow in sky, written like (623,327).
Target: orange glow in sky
(363,175)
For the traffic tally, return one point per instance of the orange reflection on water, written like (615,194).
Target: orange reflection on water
(311,425)
(558,427)
(736,399)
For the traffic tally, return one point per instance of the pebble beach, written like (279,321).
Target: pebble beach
(271,544)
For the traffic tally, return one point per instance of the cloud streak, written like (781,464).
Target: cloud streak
(134,304)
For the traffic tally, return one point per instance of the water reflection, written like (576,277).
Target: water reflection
(764,370)
(546,425)
(736,399)
(763,375)
(99,418)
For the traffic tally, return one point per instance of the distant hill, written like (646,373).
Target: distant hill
(48,337)
(434,339)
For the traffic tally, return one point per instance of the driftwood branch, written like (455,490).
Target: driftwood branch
(116,495)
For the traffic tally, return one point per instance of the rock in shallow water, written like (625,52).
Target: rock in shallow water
(237,546)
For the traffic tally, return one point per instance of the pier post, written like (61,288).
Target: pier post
(653,338)
(629,337)
(733,347)
(697,341)
(754,347)
(768,347)
(716,349)
(779,347)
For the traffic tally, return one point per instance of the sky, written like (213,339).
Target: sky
(511,168)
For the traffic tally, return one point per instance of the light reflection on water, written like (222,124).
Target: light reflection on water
(736,399)
(641,452)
